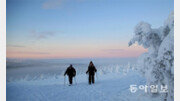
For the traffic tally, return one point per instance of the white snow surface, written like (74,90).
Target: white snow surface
(112,81)
(108,87)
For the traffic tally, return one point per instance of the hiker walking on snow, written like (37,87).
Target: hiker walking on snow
(71,72)
(91,70)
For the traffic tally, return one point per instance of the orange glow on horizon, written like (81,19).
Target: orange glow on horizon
(86,52)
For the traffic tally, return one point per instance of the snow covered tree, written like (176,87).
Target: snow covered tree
(157,65)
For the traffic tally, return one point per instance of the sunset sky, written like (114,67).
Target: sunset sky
(79,28)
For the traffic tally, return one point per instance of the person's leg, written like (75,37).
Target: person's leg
(92,78)
(89,79)
(71,80)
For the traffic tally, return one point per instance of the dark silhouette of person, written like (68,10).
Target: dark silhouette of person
(91,70)
(71,72)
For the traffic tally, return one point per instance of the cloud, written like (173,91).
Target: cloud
(41,35)
(52,4)
(113,50)
(15,52)
(18,46)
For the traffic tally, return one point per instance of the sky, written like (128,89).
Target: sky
(79,28)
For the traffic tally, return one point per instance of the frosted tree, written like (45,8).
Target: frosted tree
(157,65)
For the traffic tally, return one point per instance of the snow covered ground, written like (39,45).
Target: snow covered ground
(109,86)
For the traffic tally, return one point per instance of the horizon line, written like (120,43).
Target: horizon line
(75,58)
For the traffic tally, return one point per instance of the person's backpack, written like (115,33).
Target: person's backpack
(74,72)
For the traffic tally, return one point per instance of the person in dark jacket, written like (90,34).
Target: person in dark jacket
(91,70)
(71,72)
